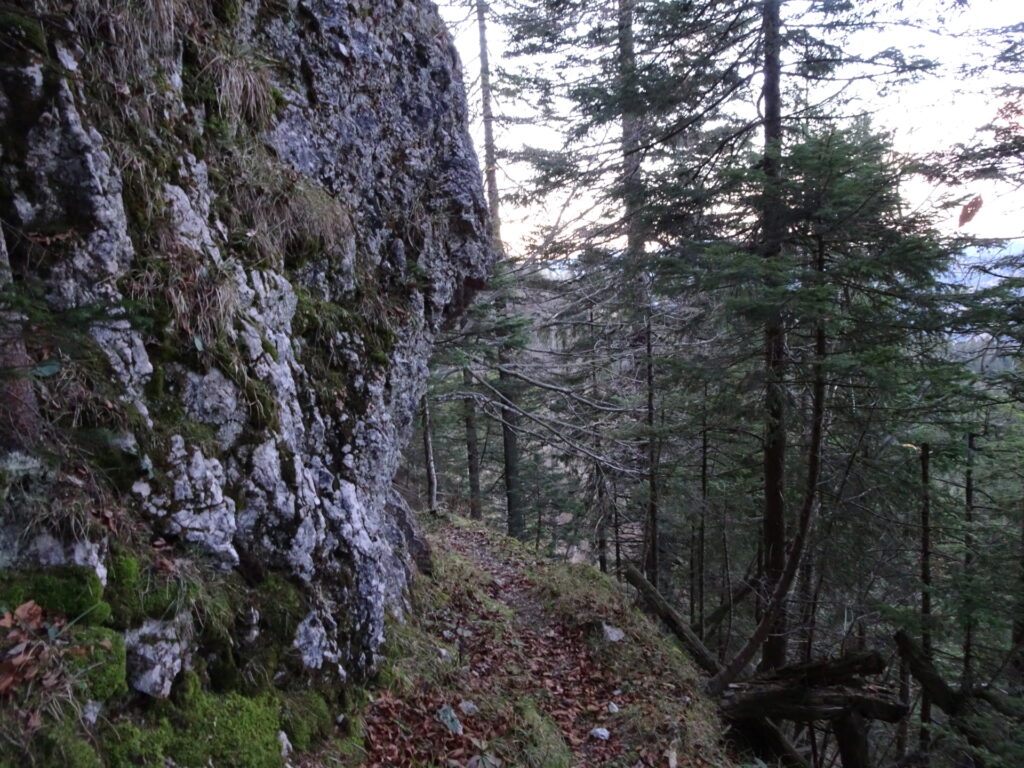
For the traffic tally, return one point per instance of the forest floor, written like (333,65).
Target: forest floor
(508,659)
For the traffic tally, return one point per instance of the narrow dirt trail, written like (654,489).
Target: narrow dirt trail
(575,693)
(505,662)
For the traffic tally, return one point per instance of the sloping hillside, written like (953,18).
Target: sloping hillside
(510,660)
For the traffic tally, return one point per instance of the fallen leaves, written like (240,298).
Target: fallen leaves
(32,649)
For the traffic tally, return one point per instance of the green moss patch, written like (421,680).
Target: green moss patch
(63,747)
(73,591)
(98,666)
(306,719)
(126,745)
(136,592)
(200,729)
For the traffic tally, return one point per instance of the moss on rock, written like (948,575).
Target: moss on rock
(23,30)
(126,745)
(100,670)
(63,747)
(305,718)
(136,595)
(281,607)
(199,729)
(230,730)
(74,591)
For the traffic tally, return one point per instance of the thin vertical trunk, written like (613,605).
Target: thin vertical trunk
(472,452)
(702,521)
(926,589)
(602,520)
(516,521)
(726,636)
(1017,635)
(487,107)
(809,600)
(428,457)
(618,534)
(967,679)
(903,728)
(516,515)
(773,231)
(652,542)
(632,192)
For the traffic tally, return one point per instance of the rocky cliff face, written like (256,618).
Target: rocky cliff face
(231,229)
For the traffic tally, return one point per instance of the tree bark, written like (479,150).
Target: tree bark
(1016,665)
(472,452)
(676,623)
(926,593)
(702,520)
(19,409)
(773,231)
(967,675)
(515,514)
(851,733)
(903,729)
(602,520)
(487,108)
(428,458)
(651,538)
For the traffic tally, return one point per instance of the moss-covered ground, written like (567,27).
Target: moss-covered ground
(510,649)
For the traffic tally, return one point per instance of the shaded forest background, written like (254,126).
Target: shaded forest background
(733,355)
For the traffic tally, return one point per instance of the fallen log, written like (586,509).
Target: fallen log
(828,671)
(939,691)
(763,736)
(985,726)
(802,704)
(679,626)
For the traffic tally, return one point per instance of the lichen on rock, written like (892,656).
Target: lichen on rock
(232,231)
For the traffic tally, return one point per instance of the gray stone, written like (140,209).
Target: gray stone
(156,652)
(372,117)
(612,634)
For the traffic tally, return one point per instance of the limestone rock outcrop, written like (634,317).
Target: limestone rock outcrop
(231,230)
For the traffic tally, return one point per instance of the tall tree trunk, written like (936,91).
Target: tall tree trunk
(775,604)
(632,193)
(809,610)
(1017,635)
(602,520)
(773,231)
(652,541)
(926,589)
(903,729)
(487,107)
(515,514)
(617,531)
(967,677)
(702,521)
(428,457)
(472,452)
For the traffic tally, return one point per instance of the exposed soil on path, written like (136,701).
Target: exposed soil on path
(576,691)
(506,663)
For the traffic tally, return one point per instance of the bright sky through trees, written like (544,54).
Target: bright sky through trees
(930,115)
